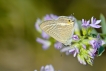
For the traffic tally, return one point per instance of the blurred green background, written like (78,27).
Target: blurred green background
(18,49)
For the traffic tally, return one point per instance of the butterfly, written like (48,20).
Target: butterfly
(61,29)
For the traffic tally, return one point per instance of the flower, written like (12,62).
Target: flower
(47,68)
(45,43)
(75,37)
(58,45)
(37,25)
(45,36)
(92,52)
(50,17)
(74,51)
(94,23)
(85,24)
(66,50)
(96,43)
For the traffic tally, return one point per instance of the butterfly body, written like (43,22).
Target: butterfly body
(60,29)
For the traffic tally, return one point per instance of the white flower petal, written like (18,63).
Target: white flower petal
(65,49)
(98,21)
(74,54)
(82,20)
(103,42)
(71,50)
(91,20)
(88,21)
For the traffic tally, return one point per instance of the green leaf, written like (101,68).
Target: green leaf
(100,50)
(94,35)
(94,31)
(103,23)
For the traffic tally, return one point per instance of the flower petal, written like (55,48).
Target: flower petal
(75,37)
(88,22)
(93,50)
(71,50)
(58,45)
(75,53)
(77,50)
(65,49)
(45,43)
(85,23)
(91,20)
(98,21)
(103,42)
(53,16)
(50,17)
(82,20)
(37,25)
(45,36)
(47,17)
(49,68)
(91,54)
(95,26)
(92,42)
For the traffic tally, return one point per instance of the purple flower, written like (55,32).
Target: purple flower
(96,43)
(74,51)
(45,43)
(50,17)
(66,49)
(94,23)
(75,37)
(85,23)
(45,36)
(47,68)
(37,25)
(58,45)
(92,52)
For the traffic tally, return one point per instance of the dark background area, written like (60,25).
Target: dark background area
(18,49)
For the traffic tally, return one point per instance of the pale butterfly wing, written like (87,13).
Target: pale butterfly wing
(65,33)
(61,33)
(50,27)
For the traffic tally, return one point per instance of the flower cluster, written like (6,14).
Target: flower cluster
(85,46)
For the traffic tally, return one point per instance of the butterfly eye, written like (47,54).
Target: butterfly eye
(68,20)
